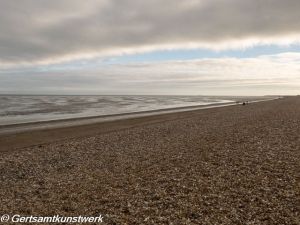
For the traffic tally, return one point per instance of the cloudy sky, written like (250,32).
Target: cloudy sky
(167,47)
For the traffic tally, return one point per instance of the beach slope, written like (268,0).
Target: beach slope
(235,166)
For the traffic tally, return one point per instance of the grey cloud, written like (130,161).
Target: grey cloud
(40,31)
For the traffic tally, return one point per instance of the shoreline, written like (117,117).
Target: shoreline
(85,119)
(108,117)
(17,136)
(77,121)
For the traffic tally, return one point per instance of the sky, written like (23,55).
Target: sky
(157,47)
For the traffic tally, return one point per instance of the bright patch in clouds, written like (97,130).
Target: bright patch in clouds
(274,74)
(105,47)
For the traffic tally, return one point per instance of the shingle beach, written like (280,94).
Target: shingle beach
(237,166)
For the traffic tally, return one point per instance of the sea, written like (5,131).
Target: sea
(19,109)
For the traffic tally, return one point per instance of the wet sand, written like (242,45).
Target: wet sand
(229,165)
(16,136)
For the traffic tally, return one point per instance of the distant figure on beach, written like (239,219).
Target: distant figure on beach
(244,103)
